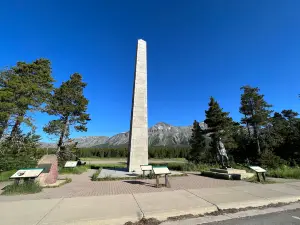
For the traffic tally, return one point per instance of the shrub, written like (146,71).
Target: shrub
(19,152)
(24,188)
(95,175)
(270,160)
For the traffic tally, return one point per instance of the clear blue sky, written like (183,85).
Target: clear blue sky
(196,49)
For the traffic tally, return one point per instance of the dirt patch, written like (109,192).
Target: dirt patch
(145,221)
(183,217)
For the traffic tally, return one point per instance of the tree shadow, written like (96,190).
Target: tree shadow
(138,182)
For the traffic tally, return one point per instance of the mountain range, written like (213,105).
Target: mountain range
(161,134)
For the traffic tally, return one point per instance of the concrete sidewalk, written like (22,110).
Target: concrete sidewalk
(118,209)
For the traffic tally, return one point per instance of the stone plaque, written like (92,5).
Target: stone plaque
(46,167)
(257,169)
(27,173)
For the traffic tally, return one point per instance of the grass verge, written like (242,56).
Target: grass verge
(254,180)
(5,175)
(66,181)
(284,172)
(95,175)
(24,188)
(75,170)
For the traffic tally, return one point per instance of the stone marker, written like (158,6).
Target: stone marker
(138,136)
(50,165)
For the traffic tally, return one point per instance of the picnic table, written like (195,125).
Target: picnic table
(161,171)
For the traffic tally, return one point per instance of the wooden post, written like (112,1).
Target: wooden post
(258,178)
(167,183)
(157,181)
(264,176)
(17,181)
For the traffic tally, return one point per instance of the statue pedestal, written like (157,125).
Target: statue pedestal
(228,174)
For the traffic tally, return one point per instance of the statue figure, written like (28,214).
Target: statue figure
(222,153)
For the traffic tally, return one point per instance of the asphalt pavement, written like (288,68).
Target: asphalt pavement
(279,218)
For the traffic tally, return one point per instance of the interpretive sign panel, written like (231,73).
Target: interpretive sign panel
(146,167)
(71,164)
(258,169)
(27,173)
(160,170)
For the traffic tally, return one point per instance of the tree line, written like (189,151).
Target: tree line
(158,152)
(262,136)
(27,88)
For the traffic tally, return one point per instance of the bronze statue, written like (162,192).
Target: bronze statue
(223,154)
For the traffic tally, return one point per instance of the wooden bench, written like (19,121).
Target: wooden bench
(145,168)
(26,174)
(161,171)
(259,170)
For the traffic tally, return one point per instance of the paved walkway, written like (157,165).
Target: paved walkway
(118,209)
(82,186)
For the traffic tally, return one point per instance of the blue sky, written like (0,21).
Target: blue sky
(196,49)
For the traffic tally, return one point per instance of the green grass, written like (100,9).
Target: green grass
(178,166)
(102,159)
(98,166)
(5,175)
(284,172)
(125,159)
(23,188)
(95,175)
(75,170)
(66,181)
(187,166)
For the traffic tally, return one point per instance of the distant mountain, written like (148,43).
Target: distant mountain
(161,134)
(83,142)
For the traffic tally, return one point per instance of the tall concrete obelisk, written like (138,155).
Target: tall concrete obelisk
(138,136)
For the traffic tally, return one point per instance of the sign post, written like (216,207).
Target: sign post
(259,170)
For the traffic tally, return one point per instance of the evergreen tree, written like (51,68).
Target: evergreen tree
(219,124)
(6,101)
(197,144)
(69,105)
(23,88)
(256,112)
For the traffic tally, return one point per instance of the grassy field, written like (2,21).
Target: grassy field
(125,159)
(4,176)
(75,170)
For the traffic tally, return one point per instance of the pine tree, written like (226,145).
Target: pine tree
(6,101)
(256,112)
(24,88)
(69,105)
(219,125)
(197,144)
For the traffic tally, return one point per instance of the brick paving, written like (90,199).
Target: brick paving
(82,185)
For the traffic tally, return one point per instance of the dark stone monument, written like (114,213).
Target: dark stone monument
(50,173)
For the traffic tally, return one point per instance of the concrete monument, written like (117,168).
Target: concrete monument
(138,136)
